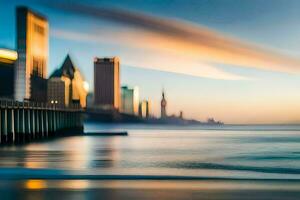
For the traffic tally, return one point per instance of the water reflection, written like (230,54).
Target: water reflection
(67,153)
(35,184)
(38,184)
(79,164)
(136,190)
(237,154)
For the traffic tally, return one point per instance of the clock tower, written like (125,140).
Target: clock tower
(163,105)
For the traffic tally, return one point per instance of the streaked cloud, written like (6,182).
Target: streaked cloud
(151,56)
(198,45)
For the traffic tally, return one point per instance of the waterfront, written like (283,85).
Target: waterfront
(232,161)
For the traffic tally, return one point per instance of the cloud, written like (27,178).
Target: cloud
(151,57)
(186,40)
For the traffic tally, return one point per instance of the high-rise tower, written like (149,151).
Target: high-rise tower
(163,105)
(107,83)
(32,47)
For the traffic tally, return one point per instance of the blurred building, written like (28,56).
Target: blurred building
(163,107)
(144,109)
(136,100)
(181,114)
(129,100)
(90,100)
(7,68)
(107,83)
(32,47)
(71,87)
(58,91)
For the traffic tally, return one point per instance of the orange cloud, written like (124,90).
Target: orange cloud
(155,55)
(189,39)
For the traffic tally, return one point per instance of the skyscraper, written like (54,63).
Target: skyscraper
(129,100)
(32,47)
(107,83)
(163,106)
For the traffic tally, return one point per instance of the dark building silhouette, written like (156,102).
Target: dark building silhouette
(7,68)
(38,89)
(58,91)
(181,115)
(163,106)
(107,83)
(144,109)
(67,69)
(32,47)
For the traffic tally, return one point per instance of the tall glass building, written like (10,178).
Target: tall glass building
(129,100)
(32,47)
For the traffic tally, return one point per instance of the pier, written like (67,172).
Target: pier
(22,122)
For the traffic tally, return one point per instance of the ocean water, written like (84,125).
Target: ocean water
(198,158)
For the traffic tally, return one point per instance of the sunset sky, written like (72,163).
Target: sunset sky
(236,61)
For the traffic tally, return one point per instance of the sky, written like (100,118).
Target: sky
(236,61)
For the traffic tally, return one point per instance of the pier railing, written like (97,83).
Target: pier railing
(27,121)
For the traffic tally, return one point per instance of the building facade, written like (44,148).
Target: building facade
(75,88)
(7,68)
(129,100)
(32,48)
(107,83)
(58,91)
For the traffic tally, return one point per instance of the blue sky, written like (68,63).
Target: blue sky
(263,95)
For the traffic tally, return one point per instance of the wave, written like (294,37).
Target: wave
(216,166)
(50,174)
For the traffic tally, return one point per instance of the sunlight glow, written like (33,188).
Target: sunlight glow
(86,86)
(8,54)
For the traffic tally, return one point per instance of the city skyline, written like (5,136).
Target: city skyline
(253,94)
(150,99)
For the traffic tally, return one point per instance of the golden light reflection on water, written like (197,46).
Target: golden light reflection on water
(33,164)
(74,153)
(74,184)
(33,184)
(142,184)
